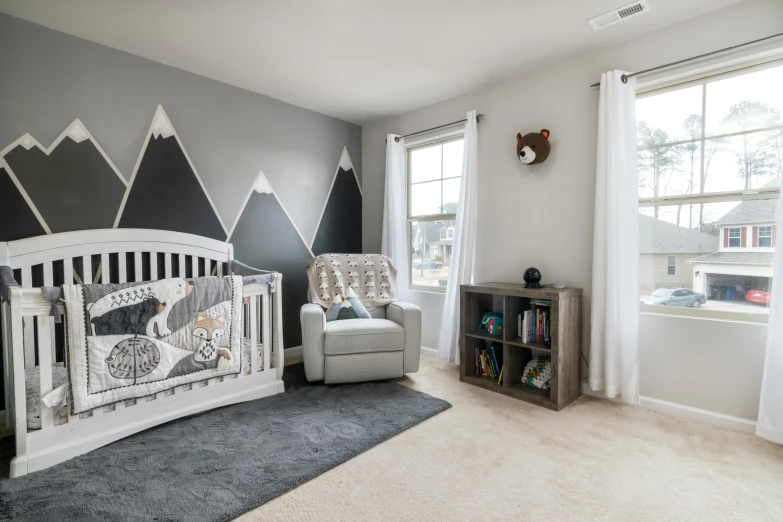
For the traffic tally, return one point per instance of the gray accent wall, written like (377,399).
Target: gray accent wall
(50,78)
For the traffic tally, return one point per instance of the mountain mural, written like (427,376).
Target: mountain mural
(340,229)
(72,183)
(265,237)
(165,192)
(17,220)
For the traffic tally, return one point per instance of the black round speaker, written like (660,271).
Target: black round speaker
(532,278)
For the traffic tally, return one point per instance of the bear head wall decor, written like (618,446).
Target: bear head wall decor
(534,147)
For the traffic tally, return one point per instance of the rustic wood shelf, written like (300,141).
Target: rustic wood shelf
(510,300)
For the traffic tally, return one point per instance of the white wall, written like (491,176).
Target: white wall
(542,216)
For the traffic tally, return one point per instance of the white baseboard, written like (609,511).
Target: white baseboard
(429,352)
(294,351)
(681,411)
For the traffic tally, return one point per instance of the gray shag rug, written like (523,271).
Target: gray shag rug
(220,464)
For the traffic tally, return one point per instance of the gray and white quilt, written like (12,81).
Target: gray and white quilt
(131,340)
(371,276)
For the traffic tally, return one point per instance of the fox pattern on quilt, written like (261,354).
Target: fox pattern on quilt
(133,340)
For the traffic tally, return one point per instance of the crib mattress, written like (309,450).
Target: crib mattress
(60,376)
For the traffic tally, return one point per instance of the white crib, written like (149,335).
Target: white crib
(118,256)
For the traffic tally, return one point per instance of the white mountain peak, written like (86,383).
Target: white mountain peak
(77,132)
(28,142)
(262,185)
(345,160)
(161,126)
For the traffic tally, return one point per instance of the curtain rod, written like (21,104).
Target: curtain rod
(478,119)
(625,77)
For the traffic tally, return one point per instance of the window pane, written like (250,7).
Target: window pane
(430,255)
(677,114)
(425,164)
(750,101)
(715,258)
(425,198)
(743,162)
(451,195)
(668,171)
(452,158)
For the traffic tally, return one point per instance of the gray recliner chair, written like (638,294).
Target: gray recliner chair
(353,350)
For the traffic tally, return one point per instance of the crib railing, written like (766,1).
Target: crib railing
(29,330)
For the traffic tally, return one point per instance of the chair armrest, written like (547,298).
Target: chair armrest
(313,321)
(408,316)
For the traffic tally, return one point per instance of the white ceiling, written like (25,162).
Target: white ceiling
(354,59)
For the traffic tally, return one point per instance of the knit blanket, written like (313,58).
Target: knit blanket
(372,277)
(132,340)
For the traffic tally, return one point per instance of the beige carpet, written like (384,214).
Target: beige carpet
(495,458)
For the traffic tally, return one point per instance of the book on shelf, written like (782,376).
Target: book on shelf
(489,361)
(535,325)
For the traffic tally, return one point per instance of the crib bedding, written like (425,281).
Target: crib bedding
(60,377)
(133,340)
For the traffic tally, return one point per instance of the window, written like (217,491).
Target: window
(735,237)
(434,178)
(710,161)
(765,236)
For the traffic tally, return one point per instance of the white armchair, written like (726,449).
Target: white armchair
(352,350)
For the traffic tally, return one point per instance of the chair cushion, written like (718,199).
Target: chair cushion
(354,336)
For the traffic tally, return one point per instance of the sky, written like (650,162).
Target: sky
(668,111)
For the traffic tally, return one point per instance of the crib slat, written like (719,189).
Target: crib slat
(5,321)
(105,269)
(121,267)
(29,335)
(167,264)
(138,266)
(153,266)
(68,271)
(182,272)
(44,358)
(251,314)
(219,268)
(47,281)
(87,270)
(266,333)
(194,266)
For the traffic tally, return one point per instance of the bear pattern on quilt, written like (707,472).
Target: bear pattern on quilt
(135,339)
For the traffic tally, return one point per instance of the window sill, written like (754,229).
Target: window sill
(701,313)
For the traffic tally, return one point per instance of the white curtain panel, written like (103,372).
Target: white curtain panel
(770,422)
(461,268)
(614,342)
(394,236)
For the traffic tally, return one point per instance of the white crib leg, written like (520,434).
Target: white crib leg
(19,464)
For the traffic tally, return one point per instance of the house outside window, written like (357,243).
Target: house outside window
(710,162)
(434,171)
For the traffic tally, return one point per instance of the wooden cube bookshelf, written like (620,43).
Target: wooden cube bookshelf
(510,300)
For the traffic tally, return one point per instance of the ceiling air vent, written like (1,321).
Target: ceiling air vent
(618,15)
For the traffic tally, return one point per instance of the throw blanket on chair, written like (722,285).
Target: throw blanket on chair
(131,340)
(371,276)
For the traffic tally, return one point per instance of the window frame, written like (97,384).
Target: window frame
(671,265)
(738,237)
(704,78)
(439,139)
(767,237)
